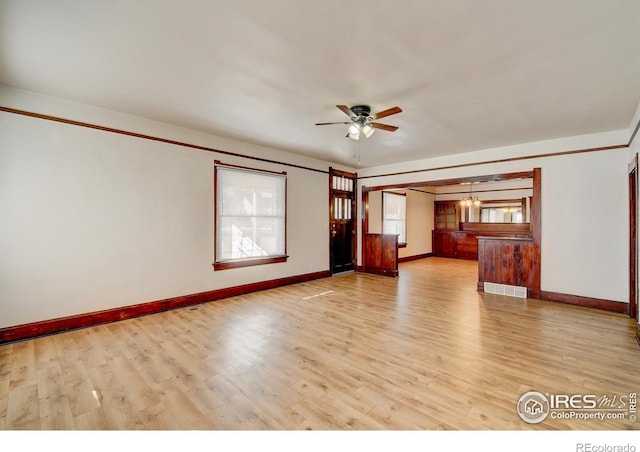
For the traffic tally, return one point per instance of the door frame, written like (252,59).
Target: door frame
(536,209)
(633,238)
(352,195)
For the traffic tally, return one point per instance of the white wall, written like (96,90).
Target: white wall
(419,220)
(419,224)
(375,212)
(584,207)
(92,220)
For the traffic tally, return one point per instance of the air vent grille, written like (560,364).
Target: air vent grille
(503,289)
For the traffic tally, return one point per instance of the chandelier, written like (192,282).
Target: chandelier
(470,200)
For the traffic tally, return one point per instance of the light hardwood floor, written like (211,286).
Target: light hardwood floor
(356,351)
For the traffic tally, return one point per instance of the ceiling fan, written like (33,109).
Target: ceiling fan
(362,121)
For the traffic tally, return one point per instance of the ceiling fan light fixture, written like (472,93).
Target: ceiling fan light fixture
(368,131)
(354,132)
(362,123)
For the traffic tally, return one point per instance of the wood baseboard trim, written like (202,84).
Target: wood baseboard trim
(597,303)
(381,271)
(46,327)
(576,300)
(414,258)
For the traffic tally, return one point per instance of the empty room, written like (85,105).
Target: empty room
(339,215)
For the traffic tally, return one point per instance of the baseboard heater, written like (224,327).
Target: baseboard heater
(503,289)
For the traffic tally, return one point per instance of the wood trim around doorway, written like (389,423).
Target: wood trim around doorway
(349,191)
(536,215)
(536,229)
(633,238)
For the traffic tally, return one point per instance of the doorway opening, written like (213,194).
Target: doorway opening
(342,221)
(532,210)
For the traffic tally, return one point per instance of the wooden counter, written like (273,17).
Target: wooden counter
(463,242)
(380,254)
(506,260)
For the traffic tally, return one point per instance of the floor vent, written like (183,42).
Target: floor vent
(503,289)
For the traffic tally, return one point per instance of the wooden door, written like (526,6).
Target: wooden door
(342,220)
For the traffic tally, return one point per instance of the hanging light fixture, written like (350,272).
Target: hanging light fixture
(367,130)
(360,128)
(354,131)
(470,200)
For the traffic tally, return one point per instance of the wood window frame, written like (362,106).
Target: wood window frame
(250,261)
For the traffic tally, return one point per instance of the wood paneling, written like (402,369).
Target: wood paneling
(500,228)
(464,244)
(381,254)
(14,333)
(506,260)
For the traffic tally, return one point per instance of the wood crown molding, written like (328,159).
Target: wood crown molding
(151,137)
(514,159)
(46,327)
(209,149)
(633,135)
(504,160)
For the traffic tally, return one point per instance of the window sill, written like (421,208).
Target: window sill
(402,245)
(225,265)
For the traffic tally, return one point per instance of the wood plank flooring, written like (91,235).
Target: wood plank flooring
(356,351)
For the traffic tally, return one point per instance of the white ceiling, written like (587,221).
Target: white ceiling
(469,74)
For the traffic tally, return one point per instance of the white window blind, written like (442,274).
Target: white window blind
(250,214)
(394,215)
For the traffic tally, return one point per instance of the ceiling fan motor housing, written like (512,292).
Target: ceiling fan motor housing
(361,110)
(362,114)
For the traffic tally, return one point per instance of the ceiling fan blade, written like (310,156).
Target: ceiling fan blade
(388,128)
(346,110)
(330,123)
(388,112)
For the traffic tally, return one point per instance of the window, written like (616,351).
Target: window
(250,217)
(394,215)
